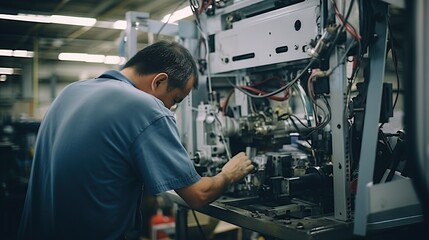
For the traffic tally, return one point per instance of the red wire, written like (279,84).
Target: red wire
(348,27)
(266,80)
(203,7)
(225,104)
(276,98)
(200,10)
(209,2)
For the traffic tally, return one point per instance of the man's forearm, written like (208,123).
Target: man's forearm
(208,189)
(205,191)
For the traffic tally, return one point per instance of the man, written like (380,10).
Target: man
(104,139)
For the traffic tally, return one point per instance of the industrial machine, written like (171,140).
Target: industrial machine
(299,86)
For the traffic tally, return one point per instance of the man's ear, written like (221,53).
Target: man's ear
(158,80)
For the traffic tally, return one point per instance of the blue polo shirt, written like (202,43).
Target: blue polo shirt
(101,142)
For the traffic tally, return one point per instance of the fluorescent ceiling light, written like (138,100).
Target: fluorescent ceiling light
(58,19)
(6,52)
(9,71)
(79,21)
(177,15)
(16,53)
(120,24)
(114,60)
(94,58)
(81,57)
(22,53)
(26,18)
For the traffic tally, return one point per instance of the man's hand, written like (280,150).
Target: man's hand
(208,189)
(237,168)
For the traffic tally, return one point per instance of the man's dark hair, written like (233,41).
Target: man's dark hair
(169,57)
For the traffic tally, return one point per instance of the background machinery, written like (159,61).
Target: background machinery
(299,85)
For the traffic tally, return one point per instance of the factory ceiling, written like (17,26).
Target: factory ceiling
(49,39)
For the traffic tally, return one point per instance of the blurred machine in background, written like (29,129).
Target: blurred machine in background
(17,140)
(299,86)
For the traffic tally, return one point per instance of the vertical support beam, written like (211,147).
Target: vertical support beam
(185,112)
(53,86)
(27,79)
(340,137)
(35,105)
(340,132)
(181,223)
(377,56)
(134,20)
(150,38)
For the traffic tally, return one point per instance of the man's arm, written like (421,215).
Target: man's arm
(208,189)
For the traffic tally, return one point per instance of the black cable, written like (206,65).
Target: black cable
(366,24)
(384,139)
(294,124)
(281,116)
(395,62)
(287,86)
(286,116)
(328,106)
(325,121)
(398,155)
(349,11)
(297,129)
(195,5)
(299,120)
(168,20)
(341,29)
(198,224)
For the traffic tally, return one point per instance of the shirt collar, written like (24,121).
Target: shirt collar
(114,74)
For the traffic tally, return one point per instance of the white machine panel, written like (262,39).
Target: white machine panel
(278,36)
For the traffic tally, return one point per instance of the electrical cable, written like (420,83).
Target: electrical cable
(289,117)
(287,86)
(299,120)
(395,64)
(168,20)
(349,28)
(204,6)
(276,98)
(194,4)
(308,108)
(199,225)
(225,104)
(325,121)
(344,22)
(318,73)
(195,7)
(398,155)
(384,139)
(349,10)
(343,58)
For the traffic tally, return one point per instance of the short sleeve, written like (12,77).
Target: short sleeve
(160,158)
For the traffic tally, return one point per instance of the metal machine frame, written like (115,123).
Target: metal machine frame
(380,206)
(230,51)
